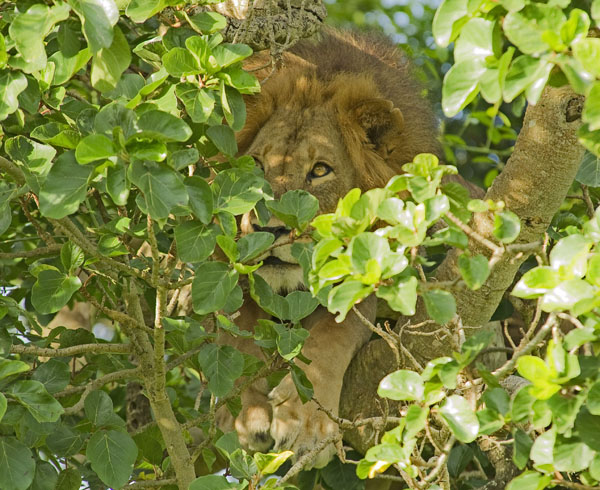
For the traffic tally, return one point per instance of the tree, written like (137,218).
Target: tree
(111,120)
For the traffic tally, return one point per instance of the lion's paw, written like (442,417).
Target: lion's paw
(300,427)
(253,427)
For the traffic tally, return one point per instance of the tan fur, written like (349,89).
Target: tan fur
(348,101)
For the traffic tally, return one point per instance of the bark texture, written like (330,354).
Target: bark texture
(533,185)
(270,24)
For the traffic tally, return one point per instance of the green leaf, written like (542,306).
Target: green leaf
(68,479)
(99,410)
(98,18)
(200,198)
(94,147)
(34,397)
(222,365)
(528,74)
(195,241)
(588,428)
(199,102)
(474,270)
(227,54)
(593,399)
(525,28)
(224,139)
(536,282)
(521,448)
(213,482)
(440,305)
(529,480)
(162,126)
(303,385)
(236,191)
(112,455)
(587,51)
(3,405)
(475,40)
(18,466)
(497,399)
(401,296)
(300,305)
(33,155)
(460,418)
(207,22)
(163,188)
(567,294)
(295,208)
(254,244)
(64,441)
(65,187)
(289,340)
(589,170)
(506,226)
(342,298)
(10,367)
(71,256)
(233,107)
(179,62)
(53,374)
(268,464)
(571,454)
(12,83)
(461,85)
(110,62)
(402,385)
(212,284)
(448,19)
(53,290)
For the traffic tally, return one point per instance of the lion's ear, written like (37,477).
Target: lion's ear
(381,121)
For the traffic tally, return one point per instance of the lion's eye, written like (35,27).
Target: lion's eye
(320,169)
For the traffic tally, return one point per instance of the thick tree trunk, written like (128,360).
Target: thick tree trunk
(533,184)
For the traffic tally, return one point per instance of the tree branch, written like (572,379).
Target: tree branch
(75,350)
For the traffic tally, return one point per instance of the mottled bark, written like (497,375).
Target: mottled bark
(533,185)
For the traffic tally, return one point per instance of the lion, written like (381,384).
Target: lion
(341,112)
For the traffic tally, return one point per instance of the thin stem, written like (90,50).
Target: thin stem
(37,252)
(75,350)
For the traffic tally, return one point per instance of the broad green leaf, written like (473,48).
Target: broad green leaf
(461,85)
(213,482)
(227,54)
(195,241)
(94,147)
(222,365)
(569,256)
(273,303)
(162,187)
(401,295)
(117,185)
(99,410)
(10,367)
(179,62)
(67,66)
(536,282)
(34,397)
(449,17)
(140,10)
(300,305)
(200,198)
(112,455)
(440,305)
(64,441)
(588,428)
(53,374)
(98,18)
(528,74)
(474,270)
(295,208)
(593,399)
(529,480)
(461,419)
(199,102)
(3,405)
(162,126)
(526,27)
(587,51)
(589,139)
(270,463)
(521,448)
(475,40)
(224,139)
(116,115)
(290,340)
(571,454)
(589,170)
(110,62)
(18,466)
(45,478)
(303,385)
(236,191)
(207,22)
(497,399)
(567,294)
(213,282)
(56,134)
(35,156)
(576,27)
(71,256)
(506,226)
(65,187)
(402,385)
(342,298)
(234,107)
(254,244)
(53,290)
(68,479)
(12,83)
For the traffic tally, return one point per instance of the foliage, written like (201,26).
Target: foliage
(112,119)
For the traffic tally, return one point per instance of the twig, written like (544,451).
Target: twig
(36,252)
(93,385)
(75,350)
(152,483)
(308,457)
(379,331)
